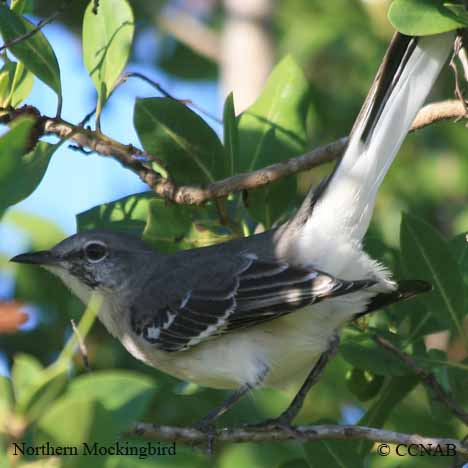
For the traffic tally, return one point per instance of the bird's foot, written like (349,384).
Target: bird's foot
(206,426)
(282,422)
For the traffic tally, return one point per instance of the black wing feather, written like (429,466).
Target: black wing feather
(256,292)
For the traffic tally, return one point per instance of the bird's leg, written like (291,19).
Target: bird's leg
(229,402)
(206,422)
(285,419)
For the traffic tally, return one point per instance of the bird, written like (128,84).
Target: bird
(262,310)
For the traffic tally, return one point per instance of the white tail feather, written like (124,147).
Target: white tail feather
(342,213)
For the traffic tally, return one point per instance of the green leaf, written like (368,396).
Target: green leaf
(22,7)
(459,247)
(166,224)
(393,392)
(127,215)
(73,420)
(125,394)
(231,137)
(427,256)
(360,350)
(189,146)
(363,383)
(174,227)
(273,129)
(35,52)
(438,410)
(6,79)
(26,372)
(6,399)
(166,227)
(38,397)
(425,17)
(331,453)
(12,147)
(15,84)
(295,463)
(107,41)
(21,85)
(25,174)
(458,379)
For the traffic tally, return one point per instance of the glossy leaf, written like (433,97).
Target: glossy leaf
(21,85)
(166,227)
(174,227)
(12,147)
(425,17)
(125,394)
(6,78)
(427,256)
(360,350)
(421,321)
(35,52)
(273,129)
(15,84)
(231,137)
(27,174)
(189,146)
(107,41)
(22,7)
(127,215)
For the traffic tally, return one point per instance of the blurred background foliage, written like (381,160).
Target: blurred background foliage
(311,98)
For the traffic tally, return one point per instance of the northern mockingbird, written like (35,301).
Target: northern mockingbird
(261,310)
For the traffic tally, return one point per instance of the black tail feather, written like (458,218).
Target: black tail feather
(406,290)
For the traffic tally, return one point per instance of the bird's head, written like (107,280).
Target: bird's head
(94,260)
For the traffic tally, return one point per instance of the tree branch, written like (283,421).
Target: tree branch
(427,378)
(308,433)
(139,161)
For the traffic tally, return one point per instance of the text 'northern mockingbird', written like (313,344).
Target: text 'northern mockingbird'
(261,310)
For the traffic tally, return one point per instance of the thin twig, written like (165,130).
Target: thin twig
(462,54)
(136,159)
(125,76)
(457,47)
(428,379)
(82,346)
(31,33)
(309,433)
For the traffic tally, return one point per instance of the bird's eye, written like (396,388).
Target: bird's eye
(95,251)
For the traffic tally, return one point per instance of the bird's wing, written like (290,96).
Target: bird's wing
(248,292)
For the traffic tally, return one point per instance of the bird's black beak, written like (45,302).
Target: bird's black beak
(44,257)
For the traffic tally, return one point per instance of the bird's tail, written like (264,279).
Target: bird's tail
(342,206)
